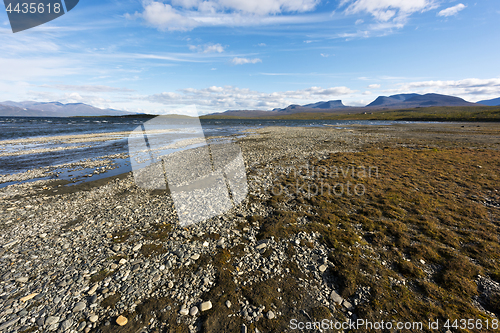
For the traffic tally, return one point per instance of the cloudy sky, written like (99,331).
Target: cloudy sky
(161,56)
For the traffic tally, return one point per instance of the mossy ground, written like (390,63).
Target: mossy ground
(427,217)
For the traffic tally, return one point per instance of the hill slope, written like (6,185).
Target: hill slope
(54,109)
(490,102)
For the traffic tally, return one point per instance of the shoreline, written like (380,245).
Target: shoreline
(108,248)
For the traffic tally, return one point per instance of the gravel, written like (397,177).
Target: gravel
(65,254)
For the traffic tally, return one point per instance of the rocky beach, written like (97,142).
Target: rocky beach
(399,223)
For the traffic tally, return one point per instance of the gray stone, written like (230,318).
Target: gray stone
(8,324)
(51,320)
(53,327)
(81,326)
(194,311)
(93,318)
(228,304)
(336,297)
(79,307)
(322,268)
(243,328)
(65,325)
(40,321)
(348,305)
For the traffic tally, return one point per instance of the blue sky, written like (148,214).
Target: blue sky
(164,56)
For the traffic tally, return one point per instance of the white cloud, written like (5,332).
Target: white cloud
(324,55)
(258,7)
(472,89)
(242,61)
(374,86)
(359,21)
(228,97)
(86,88)
(207,48)
(389,14)
(165,17)
(186,15)
(18,69)
(463,84)
(452,10)
(262,44)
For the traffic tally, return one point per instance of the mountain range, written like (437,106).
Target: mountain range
(491,102)
(416,100)
(399,101)
(55,109)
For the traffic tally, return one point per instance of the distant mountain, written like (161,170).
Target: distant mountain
(55,109)
(416,100)
(490,102)
(326,105)
(14,111)
(403,97)
(319,105)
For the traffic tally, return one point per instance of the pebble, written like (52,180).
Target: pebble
(336,297)
(137,247)
(22,279)
(51,320)
(228,304)
(184,312)
(8,324)
(261,246)
(323,268)
(27,298)
(93,318)
(122,261)
(205,306)
(93,289)
(81,326)
(79,307)
(121,321)
(348,305)
(193,311)
(270,314)
(65,325)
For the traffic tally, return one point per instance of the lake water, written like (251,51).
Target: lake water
(28,143)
